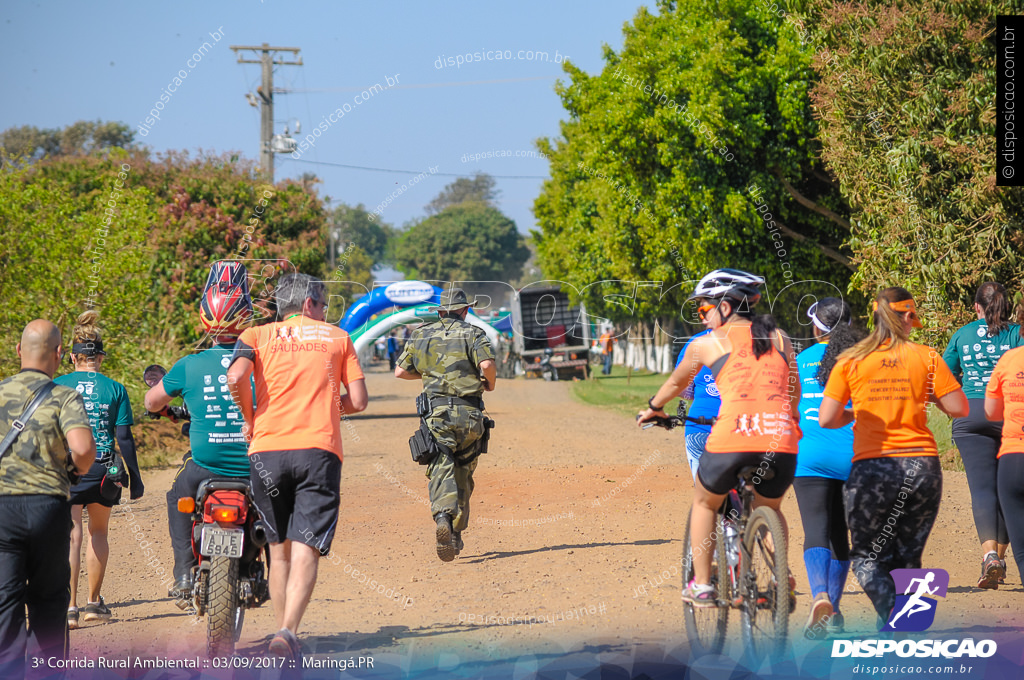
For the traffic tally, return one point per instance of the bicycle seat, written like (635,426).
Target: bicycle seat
(748,473)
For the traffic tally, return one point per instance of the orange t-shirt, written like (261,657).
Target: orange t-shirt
(300,367)
(1007,383)
(755,411)
(890,389)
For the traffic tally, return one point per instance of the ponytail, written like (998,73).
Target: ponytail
(763,332)
(839,340)
(991,297)
(888,326)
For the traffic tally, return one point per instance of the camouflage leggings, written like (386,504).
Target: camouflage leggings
(891,505)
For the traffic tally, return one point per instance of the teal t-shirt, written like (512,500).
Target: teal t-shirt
(106,404)
(216,430)
(972,354)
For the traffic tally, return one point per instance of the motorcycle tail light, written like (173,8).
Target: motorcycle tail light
(225,513)
(225,506)
(187,505)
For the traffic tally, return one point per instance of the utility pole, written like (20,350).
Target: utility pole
(266,93)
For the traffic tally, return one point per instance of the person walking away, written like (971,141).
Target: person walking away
(972,353)
(607,343)
(392,350)
(218,449)
(455,361)
(753,366)
(55,441)
(822,466)
(300,364)
(110,415)
(1007,385)
(895,472)
(705,402)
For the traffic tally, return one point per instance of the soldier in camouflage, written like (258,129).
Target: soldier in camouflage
(456,363)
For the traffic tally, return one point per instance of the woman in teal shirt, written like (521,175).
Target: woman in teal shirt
(110,415)
(971,355)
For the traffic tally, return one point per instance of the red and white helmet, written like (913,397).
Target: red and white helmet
(226,307)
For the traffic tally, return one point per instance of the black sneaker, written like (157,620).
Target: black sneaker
(836,625)
(457,540)
(445,548)
(991,572)
(96,611)
(285,644)
(72,618)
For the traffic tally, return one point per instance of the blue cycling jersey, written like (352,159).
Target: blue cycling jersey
(706,400)
(822,453)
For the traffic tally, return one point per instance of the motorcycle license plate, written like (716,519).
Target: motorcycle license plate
(217,542)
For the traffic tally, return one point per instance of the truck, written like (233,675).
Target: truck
(550,336)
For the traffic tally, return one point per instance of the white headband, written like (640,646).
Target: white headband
(817,322)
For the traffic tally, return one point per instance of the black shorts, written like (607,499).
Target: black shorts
(87,491)
(717,471)
(297,494)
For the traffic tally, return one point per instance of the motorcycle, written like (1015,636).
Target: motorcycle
(229,541)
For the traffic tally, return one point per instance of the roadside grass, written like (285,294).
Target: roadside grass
(613,393)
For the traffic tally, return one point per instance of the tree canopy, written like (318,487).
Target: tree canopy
(479,188)
(694,149)
(906,100)
(463,242)
(85,136)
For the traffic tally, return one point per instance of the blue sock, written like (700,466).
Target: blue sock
(817,562)
(837,572)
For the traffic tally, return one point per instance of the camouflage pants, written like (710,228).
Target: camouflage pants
(451,485)
(891,505)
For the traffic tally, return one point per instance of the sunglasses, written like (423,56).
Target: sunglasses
(703,310)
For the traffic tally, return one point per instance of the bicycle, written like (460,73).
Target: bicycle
(746,571)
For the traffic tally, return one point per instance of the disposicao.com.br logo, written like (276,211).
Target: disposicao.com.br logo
(914,611)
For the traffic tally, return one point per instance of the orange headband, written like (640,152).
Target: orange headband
(903,306)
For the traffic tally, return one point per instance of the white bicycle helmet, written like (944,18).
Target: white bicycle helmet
(729,283)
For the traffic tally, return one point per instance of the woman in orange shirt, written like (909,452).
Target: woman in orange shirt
(1007,385)
(753,365)
(895,485)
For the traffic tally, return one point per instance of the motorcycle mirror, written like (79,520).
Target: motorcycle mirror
(153,374)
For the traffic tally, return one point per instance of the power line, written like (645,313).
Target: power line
(422,85)
(412,172)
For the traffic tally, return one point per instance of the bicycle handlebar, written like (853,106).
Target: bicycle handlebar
(670,422)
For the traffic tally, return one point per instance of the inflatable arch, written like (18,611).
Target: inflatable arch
(414,299)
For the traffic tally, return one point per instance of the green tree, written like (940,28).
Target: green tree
(906,100)
(655,173)
(480,188)
(354,225)
(464,242)
(82,137)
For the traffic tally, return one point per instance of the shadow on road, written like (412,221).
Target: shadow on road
(515,553)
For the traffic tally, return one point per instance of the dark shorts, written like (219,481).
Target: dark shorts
(297,494)
(87,491)
(717,471)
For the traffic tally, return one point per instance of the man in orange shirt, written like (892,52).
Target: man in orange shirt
(299,365)
(607,347)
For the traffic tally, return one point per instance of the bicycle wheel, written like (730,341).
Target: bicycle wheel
(765,586)
(705,627)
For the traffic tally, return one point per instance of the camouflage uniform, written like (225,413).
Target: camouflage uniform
(447,354)
(877,545)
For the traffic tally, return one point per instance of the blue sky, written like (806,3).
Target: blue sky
(69,61)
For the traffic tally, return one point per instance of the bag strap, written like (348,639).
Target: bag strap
(20,423)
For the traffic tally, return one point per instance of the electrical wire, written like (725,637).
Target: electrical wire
(409,172)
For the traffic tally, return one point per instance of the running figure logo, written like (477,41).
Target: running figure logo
(914,610)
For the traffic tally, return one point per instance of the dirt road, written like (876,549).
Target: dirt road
(574,538)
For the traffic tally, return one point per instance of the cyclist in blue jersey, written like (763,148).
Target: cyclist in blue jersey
(218,445)
(971,355)
(706,403)
(822,466)
(110,415)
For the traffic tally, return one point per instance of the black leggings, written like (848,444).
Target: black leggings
(978,440)
(1011,497)
(823,514)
